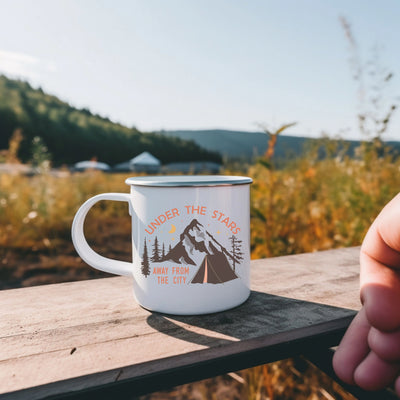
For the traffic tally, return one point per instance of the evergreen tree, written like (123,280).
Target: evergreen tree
(163,252)
(236,251)
(155,257)
(145,261)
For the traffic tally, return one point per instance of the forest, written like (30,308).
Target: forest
(71,135)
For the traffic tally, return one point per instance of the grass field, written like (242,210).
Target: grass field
(309,205)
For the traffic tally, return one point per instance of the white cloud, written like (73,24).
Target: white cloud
(20,65)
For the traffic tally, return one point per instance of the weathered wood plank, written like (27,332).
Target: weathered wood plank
(328,277)
(137,379)
(64,305)
(73,336)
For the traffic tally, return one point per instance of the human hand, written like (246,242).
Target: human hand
(369,353)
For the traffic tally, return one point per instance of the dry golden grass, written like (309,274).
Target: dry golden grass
(315,205)
(37,211)
(294,379)
(36,215)
(309,205)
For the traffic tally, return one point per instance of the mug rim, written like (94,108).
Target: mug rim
(188,180)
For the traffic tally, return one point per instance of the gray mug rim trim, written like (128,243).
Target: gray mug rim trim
(188,181)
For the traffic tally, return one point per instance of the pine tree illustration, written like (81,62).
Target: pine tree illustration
(169,248)
(145,261)
(236,250)
(163,252)
(155,257)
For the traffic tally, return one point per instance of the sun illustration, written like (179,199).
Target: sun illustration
(173,228)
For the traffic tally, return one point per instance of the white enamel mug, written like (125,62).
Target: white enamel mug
(190,242)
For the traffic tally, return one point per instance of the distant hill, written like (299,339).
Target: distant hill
(249,145)
(72,134)
(237,144)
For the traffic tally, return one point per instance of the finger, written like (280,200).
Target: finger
(374,373)
(397,386)
(380,269)
(386,229)
(380,294)
(353,348)
(382,241)
(385,344)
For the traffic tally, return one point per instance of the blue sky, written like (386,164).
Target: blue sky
(170,64)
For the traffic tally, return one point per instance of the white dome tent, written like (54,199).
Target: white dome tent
(145,162)
(91,165)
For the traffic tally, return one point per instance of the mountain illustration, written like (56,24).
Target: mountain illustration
(195,243)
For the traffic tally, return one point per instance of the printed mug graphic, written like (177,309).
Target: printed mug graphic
(197,258)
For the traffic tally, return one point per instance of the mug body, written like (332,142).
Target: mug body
(190,242)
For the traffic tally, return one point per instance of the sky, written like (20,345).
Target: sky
(208,64)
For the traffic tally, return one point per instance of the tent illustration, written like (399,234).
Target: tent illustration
(214,269)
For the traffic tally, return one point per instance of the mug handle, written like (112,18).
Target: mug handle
(81,245)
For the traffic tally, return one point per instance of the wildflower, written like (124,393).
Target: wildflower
(31,215)
(315,210)
(310,173)
(289,181)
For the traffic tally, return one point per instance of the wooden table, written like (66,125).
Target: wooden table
(91,338)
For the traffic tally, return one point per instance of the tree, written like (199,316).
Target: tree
(73,135)
(145,261)
(155,257)
(236,250)
(163,252)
